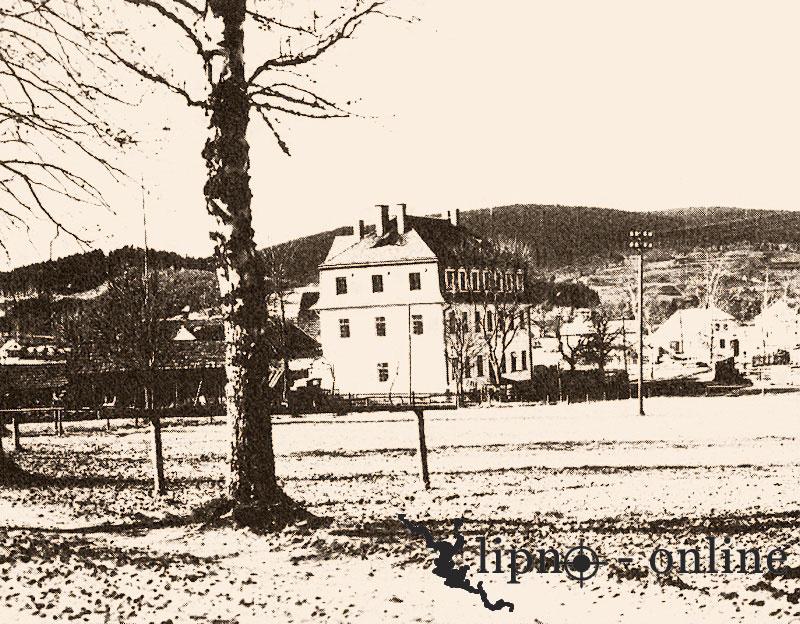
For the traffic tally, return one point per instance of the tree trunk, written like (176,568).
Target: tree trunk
(156,449)
(251,477)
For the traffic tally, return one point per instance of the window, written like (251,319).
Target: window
(513,362)
(520,281)
(416,324)
(521,318)
(380,325)
(498,281)
(462,280)
(479,366)
(341,285)
(477,321)
(344,328)
(377,283)
(452,322)
(509,282)
(454,367)
(721,343)
(450,279)
(524,363)
(383,372)
(464,322)
(474,278)
(487,280)
(414,281)
(675,345)
(489,321)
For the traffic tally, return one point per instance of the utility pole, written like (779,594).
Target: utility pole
(640,240)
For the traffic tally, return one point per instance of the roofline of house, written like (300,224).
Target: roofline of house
(348,265)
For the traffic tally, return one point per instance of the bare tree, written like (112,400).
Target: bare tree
(502,319)
(278,259)
(572,347)
(229,86)
(463,346)
(602,340)
(50,122)
(129,326)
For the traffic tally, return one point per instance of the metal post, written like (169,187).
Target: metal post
(641,333)
(640,240)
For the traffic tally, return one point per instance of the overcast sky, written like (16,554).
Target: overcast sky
(622,104)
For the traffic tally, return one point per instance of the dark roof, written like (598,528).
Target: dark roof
(451,243)
(33,376)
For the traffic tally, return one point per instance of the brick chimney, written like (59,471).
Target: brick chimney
(358,229)
(454,216)
(401,218)
(382,221)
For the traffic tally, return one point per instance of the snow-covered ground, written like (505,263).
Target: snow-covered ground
(88,543)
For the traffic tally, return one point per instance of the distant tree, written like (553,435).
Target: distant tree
(571,347)
(130,327)
(603,339)
(463,347)
(279,260)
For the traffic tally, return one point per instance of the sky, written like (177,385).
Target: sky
(634,105)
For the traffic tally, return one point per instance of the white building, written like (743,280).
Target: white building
(392,301)
(705,335)
(776,329)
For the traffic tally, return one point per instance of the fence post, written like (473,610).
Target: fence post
(15,433)
(423,448)
(55,421)
(60,413)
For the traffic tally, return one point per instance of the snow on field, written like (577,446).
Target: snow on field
(86,541)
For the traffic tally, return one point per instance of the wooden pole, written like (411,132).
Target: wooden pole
(15,433)
(60,417)
(156,450)
(423,448)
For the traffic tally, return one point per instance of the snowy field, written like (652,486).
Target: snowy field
(85,542)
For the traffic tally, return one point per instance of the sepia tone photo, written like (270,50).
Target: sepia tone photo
(399,311)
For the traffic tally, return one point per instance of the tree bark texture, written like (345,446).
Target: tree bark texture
(240,272)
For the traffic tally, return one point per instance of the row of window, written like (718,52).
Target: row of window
(414,283)
(477,326)
(477,280)
(417,327)
(517,364)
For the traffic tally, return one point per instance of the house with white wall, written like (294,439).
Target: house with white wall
(776,330)
(392,299)
(705,335)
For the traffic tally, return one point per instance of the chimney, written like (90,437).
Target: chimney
(401,218)
(358,229)
(382,222)
(454,216)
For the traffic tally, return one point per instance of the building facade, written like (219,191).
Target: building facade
(413,307)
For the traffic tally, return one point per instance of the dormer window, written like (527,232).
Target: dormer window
(474,281)
(487,280)
(498,281)
(520,281)
(509,282)
(462,280)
